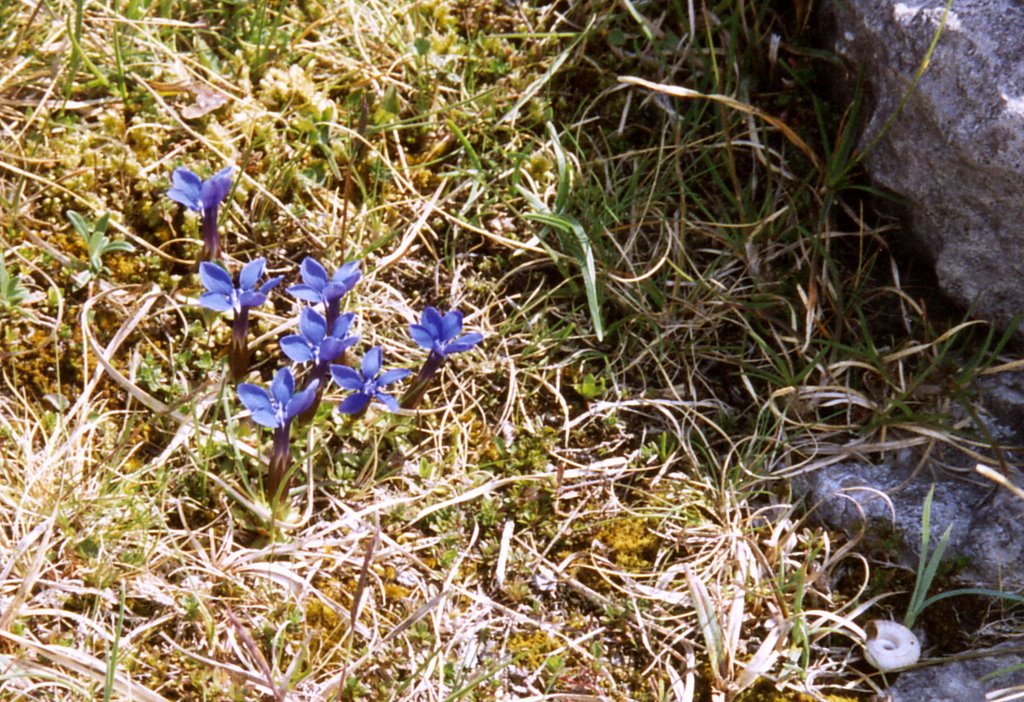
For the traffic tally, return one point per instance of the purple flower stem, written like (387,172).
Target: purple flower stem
(421,382)
(238,353)
(332,312)
(307,416)
(320,373)
(211,240)
(280,460)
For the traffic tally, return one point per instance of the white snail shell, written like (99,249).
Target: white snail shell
(890,646)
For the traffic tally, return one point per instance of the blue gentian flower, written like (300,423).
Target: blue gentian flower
(222,295)
(204,197)
(366,383)
(439,334)
(200,195)
(317,288)
(313,343)
(276,409)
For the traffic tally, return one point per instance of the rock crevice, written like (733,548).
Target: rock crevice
(954,153)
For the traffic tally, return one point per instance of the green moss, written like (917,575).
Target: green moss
(765,691)
(631,544)
(532,649)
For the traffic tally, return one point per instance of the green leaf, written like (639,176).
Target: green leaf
(12,292)
(101,224)
(590,387)
(563,169)
(927,566)
(586,260)
(573,237)
(81,226)
(578,247)
(118,245)
(390,102)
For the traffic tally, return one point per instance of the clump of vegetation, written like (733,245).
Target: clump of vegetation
(644,217)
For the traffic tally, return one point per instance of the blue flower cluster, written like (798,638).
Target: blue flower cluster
(322,339)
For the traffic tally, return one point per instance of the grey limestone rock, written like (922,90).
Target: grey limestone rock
(987,527)
(952,148)
(955,152)
(1002,400)
(957,681)
(987,530)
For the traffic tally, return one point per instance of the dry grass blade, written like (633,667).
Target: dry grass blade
(999,479)
(91,668)
(257,655)
(364,572)
(687,93)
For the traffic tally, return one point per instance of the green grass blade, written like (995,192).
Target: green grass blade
(928,566)
(108,682)
(981,591)
(579,248)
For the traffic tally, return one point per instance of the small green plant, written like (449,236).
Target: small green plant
(97,243)
(572,236)
(928,566)
(12,292)
(919,601)
(590,388)
(710,627)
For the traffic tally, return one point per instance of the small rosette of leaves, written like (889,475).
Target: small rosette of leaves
(97,243)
